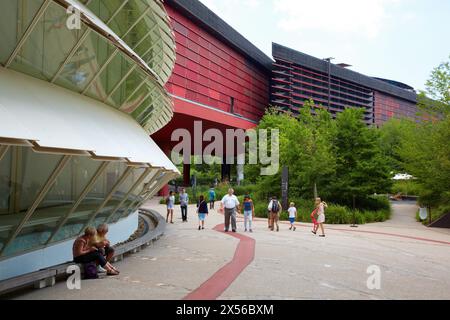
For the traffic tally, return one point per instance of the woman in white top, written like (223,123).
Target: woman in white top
(170,202)
(321,205)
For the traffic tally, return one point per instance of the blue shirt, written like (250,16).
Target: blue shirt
(212,195)
(247,206)
(184,199)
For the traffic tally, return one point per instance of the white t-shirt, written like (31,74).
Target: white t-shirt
(321,209)
(292,212)
(230,202)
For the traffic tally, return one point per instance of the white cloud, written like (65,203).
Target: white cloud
(365,18)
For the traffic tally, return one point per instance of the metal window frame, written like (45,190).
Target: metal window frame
(136,22)
(3,150)
(153,179)
(82,39)
(146,35)
(101,169)
(124,176)
(28,32)
(133,187)
(108,61)
(117,86)
(133,93)
(165,179)
(149,93)
(72,52)
(102,68)
(41,195)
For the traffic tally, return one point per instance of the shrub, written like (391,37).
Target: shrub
(336,214)
(374,203)
(406,187)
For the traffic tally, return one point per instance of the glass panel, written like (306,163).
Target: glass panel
(85,63)
(144,110)
(48,45)
(104,9)
(145,45)
(109,78)
(134,197)
(34,169)
(56,204)
(92,201)
(5,183)
(136,98)
(127,16)
(119,195)
(15,17)
(126,88)
(138,32)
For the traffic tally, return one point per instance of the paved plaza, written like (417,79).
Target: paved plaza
(190,264)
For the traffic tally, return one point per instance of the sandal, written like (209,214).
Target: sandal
(112,273)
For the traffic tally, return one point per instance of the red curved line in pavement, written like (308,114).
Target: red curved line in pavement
(213,288)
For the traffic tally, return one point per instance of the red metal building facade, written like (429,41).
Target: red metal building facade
(297,77)
(219,78)
(210,72)
(387,107)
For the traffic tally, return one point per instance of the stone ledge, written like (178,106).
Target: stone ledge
(47,277)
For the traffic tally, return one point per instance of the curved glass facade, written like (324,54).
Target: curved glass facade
(83,192)
(87,62)
(122,55)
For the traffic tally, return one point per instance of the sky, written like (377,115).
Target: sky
(402,40)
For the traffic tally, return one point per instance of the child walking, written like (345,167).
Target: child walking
(292,216)
(202,210)
(249,213)
(321,206)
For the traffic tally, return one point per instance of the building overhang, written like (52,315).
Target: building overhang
(53,118)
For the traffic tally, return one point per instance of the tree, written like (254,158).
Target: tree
(305,147)
(436,99)
(426,151)
(426,156)
(392,134)
(361,168)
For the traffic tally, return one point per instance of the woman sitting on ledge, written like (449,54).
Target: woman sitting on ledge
(102,244)
(83,252)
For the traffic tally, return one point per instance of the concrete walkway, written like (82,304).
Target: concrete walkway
(208,264)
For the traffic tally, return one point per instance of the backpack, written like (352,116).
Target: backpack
(90,270)
(275,206)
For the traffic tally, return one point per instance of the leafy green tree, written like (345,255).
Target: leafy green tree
(425,152)
(426,156)
(392,134)
(436,98)
(361,168)
(305,147)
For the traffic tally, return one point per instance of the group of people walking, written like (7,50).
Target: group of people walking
(230,206)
